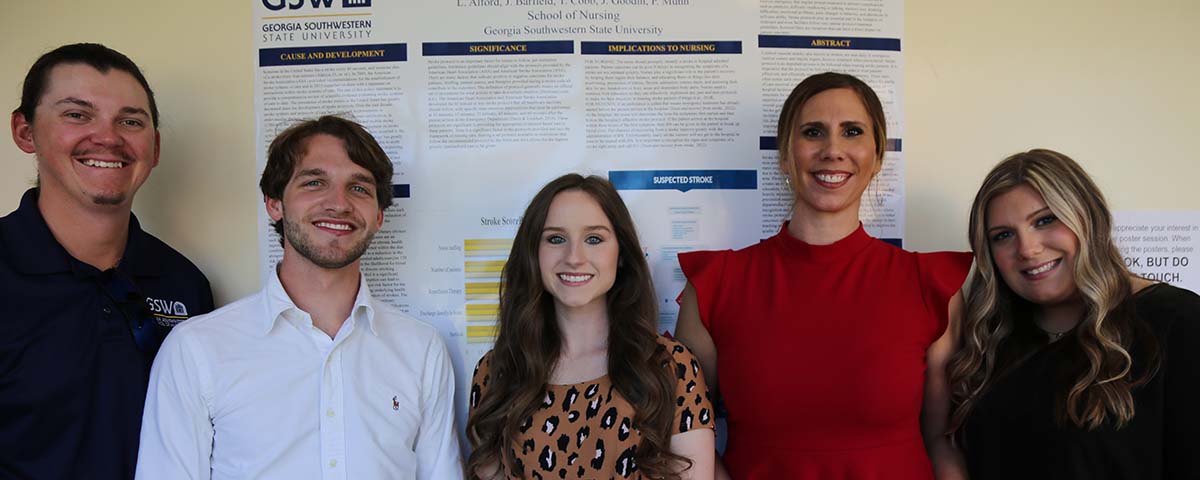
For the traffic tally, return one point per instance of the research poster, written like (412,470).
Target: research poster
(479,103)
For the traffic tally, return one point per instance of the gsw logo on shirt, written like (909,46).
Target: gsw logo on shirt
(167,313)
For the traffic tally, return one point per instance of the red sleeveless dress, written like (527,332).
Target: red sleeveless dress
(821,353)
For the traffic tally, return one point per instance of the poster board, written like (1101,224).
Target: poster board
(479,103)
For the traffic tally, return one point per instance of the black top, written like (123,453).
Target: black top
(1012,433)
(76,345)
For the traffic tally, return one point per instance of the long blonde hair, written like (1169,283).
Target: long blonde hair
(995,320)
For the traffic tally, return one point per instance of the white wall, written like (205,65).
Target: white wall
(1112,84)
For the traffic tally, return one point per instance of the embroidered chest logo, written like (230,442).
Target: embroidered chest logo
(167,312)
(395,404)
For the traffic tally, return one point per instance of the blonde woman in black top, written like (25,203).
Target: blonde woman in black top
(1068,365)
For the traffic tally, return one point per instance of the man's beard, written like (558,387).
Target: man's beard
(108,199)
(327,258)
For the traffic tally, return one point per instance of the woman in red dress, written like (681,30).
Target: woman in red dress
(827,345)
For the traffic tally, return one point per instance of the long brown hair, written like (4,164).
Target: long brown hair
(998,331)
(529,341)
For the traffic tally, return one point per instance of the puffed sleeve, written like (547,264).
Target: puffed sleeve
(942,275)
(705,270)
(1181,416)
(693,405)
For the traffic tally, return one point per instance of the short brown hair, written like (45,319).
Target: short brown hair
(287,149)
(94,55)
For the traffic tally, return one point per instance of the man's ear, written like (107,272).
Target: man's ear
(274,208)
(22,133)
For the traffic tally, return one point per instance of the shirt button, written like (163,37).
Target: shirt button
(329,413)
(106,310)
(332,463)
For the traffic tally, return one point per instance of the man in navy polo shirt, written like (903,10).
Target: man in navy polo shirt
(86,296)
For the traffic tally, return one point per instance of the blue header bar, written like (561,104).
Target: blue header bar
(768,143)
(659,48)
(684,180)
(401,190)
(435,49)
(772,143)
(829,43)
(277,57)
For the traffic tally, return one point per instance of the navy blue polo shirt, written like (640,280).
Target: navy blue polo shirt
(76,345)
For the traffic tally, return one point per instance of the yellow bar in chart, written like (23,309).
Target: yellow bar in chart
(483,290)
(487,247)
(483,268)
(482,312)
(481,333)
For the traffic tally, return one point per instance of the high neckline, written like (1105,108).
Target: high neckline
(847,247)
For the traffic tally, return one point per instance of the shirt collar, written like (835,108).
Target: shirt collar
(278,304)
(38,252)
(33,249)
(141,258)
(848,247)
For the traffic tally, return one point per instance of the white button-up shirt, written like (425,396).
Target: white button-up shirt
(255,391)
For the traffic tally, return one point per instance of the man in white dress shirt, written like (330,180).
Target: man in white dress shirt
(311,378)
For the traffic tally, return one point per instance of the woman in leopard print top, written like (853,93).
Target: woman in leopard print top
(579,384)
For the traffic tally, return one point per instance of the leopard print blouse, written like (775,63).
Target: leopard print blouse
(585,430)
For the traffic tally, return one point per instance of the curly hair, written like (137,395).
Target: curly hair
(998,332)
(529,342)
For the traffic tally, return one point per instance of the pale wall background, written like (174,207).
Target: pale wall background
(1114,84)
